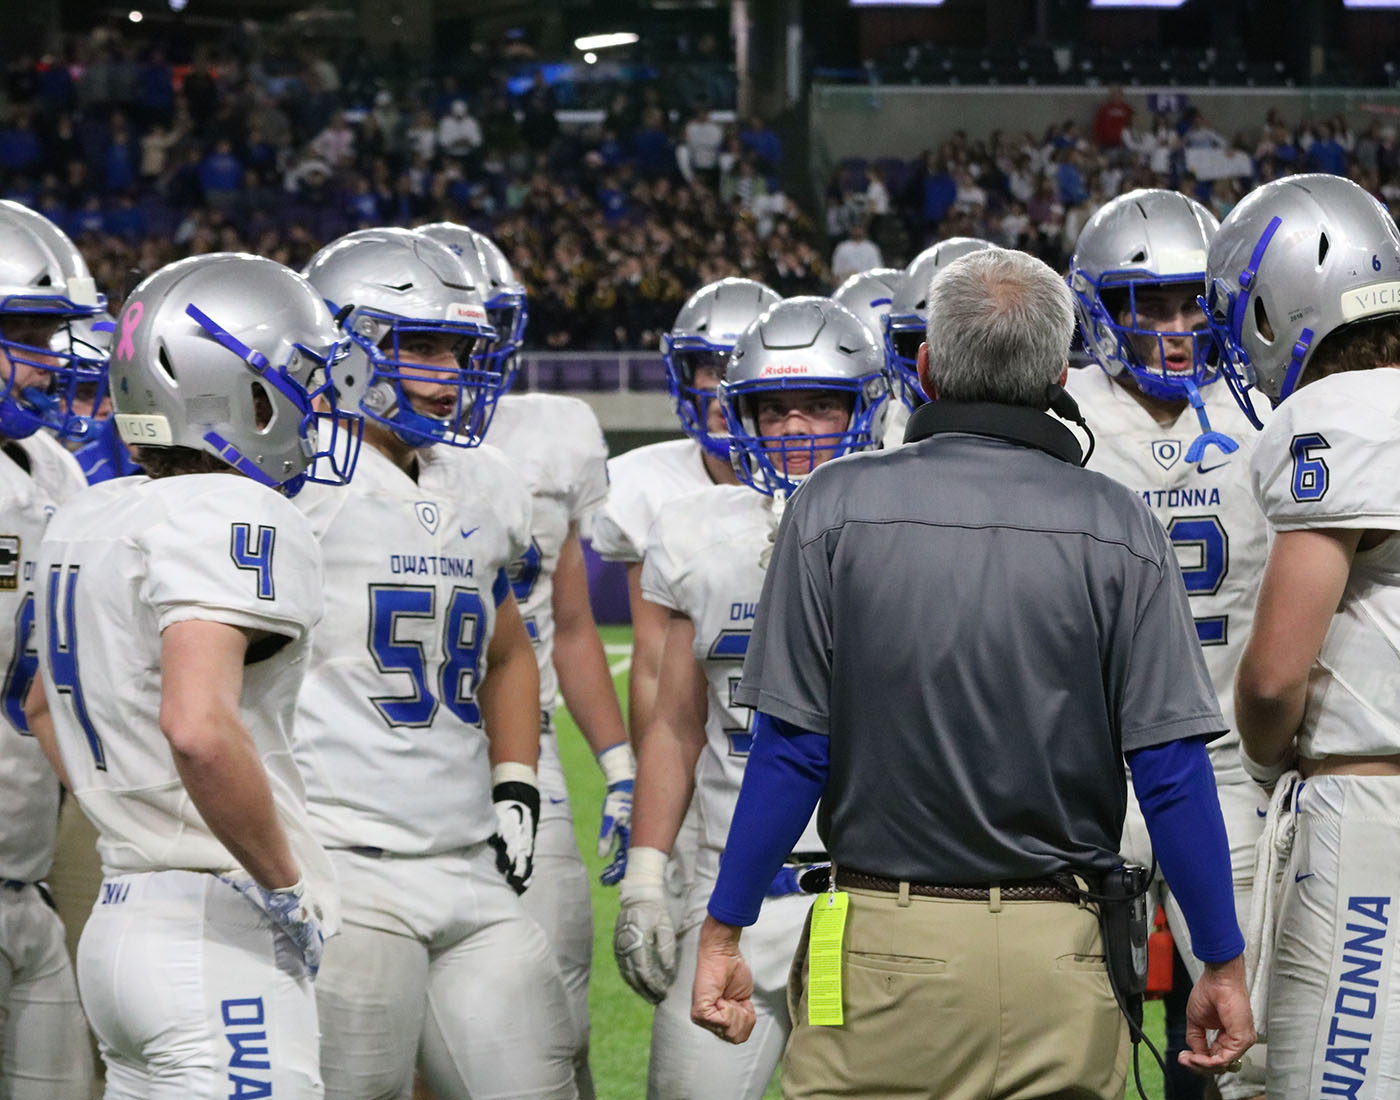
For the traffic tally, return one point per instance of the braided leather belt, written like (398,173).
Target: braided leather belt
(1035,889)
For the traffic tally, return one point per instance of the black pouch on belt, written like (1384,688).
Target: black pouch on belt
(1123,924)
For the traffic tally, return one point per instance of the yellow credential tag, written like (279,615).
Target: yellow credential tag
(824,959)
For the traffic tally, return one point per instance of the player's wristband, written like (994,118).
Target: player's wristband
(645,867)
(1266,775)
(511,771)
(617,763)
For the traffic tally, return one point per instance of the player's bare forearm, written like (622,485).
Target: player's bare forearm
(1302,585)
(36,714)
(201,685)
(510,691)
(579,659)
(648,635)
(672,744)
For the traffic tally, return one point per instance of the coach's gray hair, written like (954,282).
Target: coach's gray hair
(999,327)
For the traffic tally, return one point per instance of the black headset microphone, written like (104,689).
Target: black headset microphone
(1066,408)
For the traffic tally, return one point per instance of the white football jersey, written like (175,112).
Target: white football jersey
(389,734)
(556,445)
(28,786)
(896,420)
(643,480)
(1330,458)
(121,562)
(1218,532)
(703,561)
(52,466)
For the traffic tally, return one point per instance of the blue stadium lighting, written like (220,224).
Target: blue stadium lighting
(1136,3)
(1387,4)
(896,3)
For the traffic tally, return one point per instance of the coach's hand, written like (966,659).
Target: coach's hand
(1218,1002)
(291,910)
(721,1000)
(620,770)
(517,802)
(644,942)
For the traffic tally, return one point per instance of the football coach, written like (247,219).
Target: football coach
(958,643)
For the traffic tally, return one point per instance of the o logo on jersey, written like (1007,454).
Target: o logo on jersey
(1166,452)
(428,515)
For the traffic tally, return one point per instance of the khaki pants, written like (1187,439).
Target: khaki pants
(962,999)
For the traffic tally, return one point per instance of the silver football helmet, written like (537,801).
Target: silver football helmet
(38,297)
(387,286)
(803,343)
(906,322)
(702,335)
(1146,238)
(1296,260)
(502,292)
(869,295)
(237,356)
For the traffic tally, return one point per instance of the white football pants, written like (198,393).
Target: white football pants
(1243,806)
(689,1063)
(1334,996)
(193,992)
(436,957)
(561,903)
(44,1048)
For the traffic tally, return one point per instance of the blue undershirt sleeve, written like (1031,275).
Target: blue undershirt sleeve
(1175,787)
(783,781)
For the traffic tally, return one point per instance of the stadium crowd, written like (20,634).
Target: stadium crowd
(1037,192)
(143,162)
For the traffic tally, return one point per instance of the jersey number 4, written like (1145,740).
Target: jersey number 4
(456,678)
(61,606)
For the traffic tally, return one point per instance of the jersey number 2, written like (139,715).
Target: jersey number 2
(1202,540)
(461,645)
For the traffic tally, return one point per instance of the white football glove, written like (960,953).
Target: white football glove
(292,912)
(517,800)
(644,941)
(620,770)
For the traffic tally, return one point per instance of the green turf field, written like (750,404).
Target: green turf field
(621,1019)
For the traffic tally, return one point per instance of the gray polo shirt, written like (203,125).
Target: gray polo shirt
(982,629)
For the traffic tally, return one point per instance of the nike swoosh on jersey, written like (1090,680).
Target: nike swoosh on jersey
(557,801)
(469,534)
(1201,468)
(1261,813)
(1299,878)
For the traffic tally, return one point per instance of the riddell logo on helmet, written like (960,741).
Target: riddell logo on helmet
(463,311)
(784,368)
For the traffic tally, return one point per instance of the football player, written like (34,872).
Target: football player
(173,619)
(704,569)
(906,320)
(44,1049)
(695,352)
(869,295)
(1136,275)
(421,707)
(555,444)
(1304,303)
